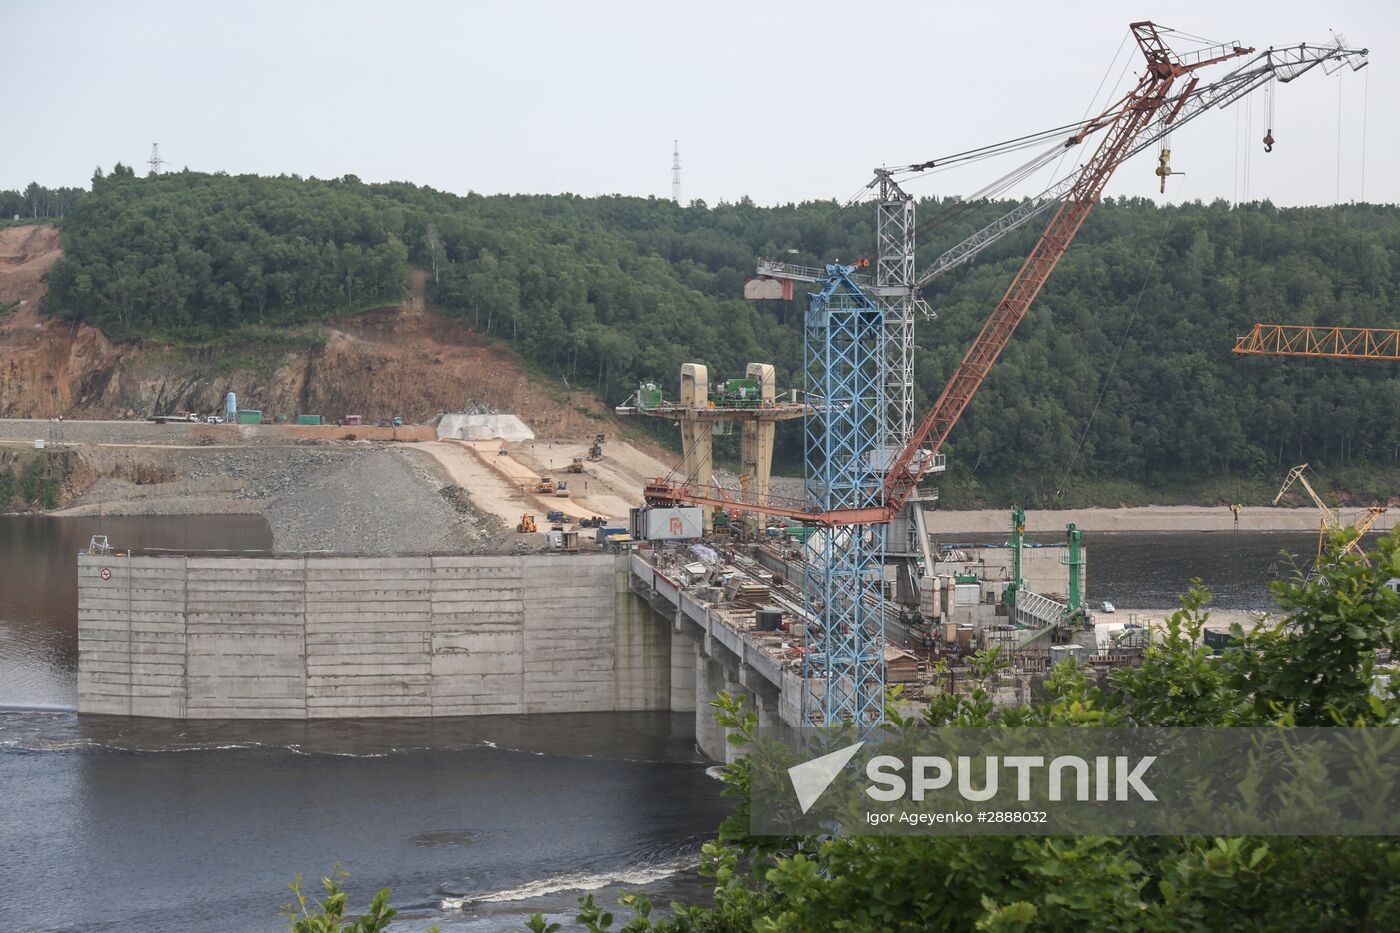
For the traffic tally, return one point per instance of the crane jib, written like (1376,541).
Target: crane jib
(1130,126)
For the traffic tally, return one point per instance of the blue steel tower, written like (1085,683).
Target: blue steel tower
(847,440)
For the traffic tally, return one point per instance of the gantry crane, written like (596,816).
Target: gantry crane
(1330,518)
(1338,343)
(868,488)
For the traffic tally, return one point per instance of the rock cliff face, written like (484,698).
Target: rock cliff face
(407,361)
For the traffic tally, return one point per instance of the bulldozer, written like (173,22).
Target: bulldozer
(596,451)
(527,524)
(545,486)
(576,466)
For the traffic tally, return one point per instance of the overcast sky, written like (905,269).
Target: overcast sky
(776,101)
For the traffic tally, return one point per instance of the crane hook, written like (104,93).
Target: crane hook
(1269,140)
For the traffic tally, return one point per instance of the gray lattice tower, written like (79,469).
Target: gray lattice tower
(155,162)
(894,286)
(676,171)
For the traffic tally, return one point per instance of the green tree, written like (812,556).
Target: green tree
(1314,665)
(307,915)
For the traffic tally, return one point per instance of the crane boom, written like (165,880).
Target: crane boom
(1283,64)
(1330,520)
(1338,343)
(1130,124)
(1131,117)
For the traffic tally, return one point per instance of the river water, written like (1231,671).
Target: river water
(1149,570)
(151,825)
(118,824)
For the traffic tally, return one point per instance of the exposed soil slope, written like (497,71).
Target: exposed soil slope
(407,361)
(26,253)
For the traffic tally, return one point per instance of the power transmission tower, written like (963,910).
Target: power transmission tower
(676,171)
(155,161)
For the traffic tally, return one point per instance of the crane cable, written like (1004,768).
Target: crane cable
(1365,110)
(1008,180)
(978,154)
(1270,95)
(949,216)
(1113,364)
(1093,100)
(1339,142)
(933,166)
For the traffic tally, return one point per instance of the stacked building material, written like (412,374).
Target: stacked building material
(745,593)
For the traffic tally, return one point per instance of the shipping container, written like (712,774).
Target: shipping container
(677,524)
(249,416)
(310,419)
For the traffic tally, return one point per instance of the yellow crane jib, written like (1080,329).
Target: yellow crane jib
(1331,518)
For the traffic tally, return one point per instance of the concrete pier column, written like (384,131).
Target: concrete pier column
(684,650)
(697,444)
(769,716)
(709,681)
(735,686)
(756,443)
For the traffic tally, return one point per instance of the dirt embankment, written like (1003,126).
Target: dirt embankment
(407,361)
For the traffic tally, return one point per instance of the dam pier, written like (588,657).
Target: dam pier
(186,637)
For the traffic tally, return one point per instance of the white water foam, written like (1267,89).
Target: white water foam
(572,882)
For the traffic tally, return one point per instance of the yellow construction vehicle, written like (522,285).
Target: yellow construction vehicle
(576,466)
(527,525)
(545,486)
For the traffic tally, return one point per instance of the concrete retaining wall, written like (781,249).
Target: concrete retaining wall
(247,638)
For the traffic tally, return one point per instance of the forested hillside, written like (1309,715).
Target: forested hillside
(1134,328)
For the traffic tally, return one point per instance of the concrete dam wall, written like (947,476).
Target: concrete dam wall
(306,638)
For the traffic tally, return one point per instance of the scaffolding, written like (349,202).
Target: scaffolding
(846,365)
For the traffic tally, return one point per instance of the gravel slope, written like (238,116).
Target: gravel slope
(351,498)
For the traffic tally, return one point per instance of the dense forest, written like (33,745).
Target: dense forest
(1122,368)
(36,202)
